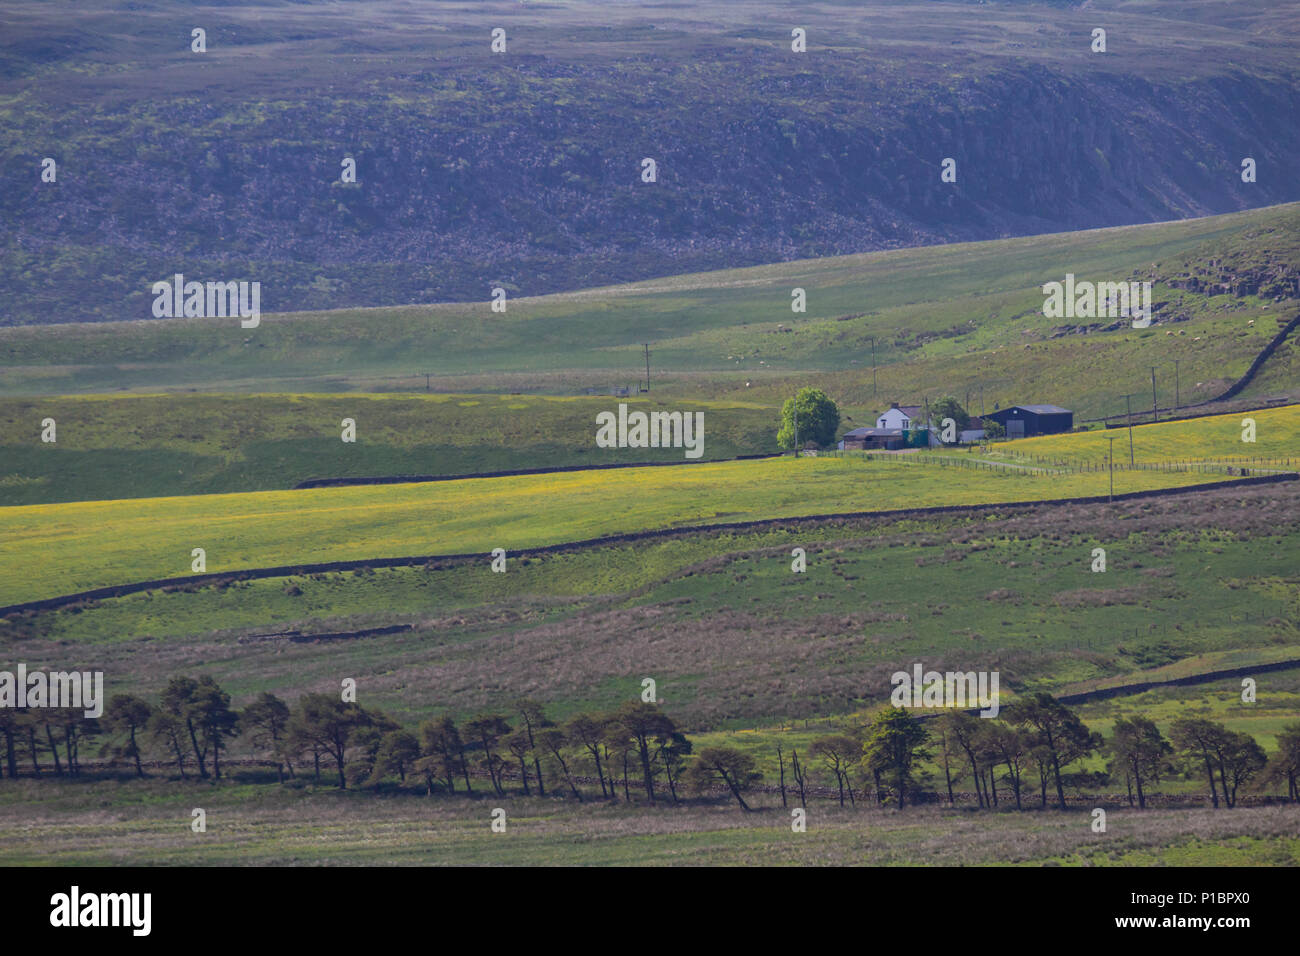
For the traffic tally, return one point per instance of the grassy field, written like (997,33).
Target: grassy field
(733,638)
(745,654)
(168,445)
(114,446)
(1277,705)
(83,545)
(135,823)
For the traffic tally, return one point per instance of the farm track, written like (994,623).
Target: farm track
(1141,687)
(195,581)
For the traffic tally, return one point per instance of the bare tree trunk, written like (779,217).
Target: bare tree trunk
(947,774)
(644,754)
(198,754)
(799,777)
(1056,774)
(464,769)
(600,774)
(672,784)
(11,757)
(735,791)
(564,767)
(975,774)
(135,749)
(31,741)
(54,749)
(1014,774)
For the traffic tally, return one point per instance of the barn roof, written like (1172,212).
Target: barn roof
(1034,409)
(874,433)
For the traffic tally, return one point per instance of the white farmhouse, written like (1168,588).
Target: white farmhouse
(900,417)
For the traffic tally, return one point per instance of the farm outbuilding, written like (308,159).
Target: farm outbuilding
(972,433)
(1021,421)
(866,438)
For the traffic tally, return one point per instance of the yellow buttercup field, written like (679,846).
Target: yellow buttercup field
(1213,438)
(48,550)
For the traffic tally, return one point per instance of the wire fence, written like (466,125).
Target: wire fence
(1039,465)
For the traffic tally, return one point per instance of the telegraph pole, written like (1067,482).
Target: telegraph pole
(873,365)
(1128,400)
(1176,402)
(1155,410)
(796,424)
(426,380)
(1110,460)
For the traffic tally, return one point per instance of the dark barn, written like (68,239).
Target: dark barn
(868,438)
(1021,421)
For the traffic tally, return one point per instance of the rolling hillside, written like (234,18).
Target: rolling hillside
(957,318)
(364,567)
(112,446)
(522,169)
(733,637)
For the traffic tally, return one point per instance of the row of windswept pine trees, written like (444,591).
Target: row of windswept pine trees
(636,750)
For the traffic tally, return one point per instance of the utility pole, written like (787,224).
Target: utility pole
(1176,402)
(981,401)
(796,424)
(1128,400)
(426,380)
(1110,460)
(873,365)
(1155,411)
